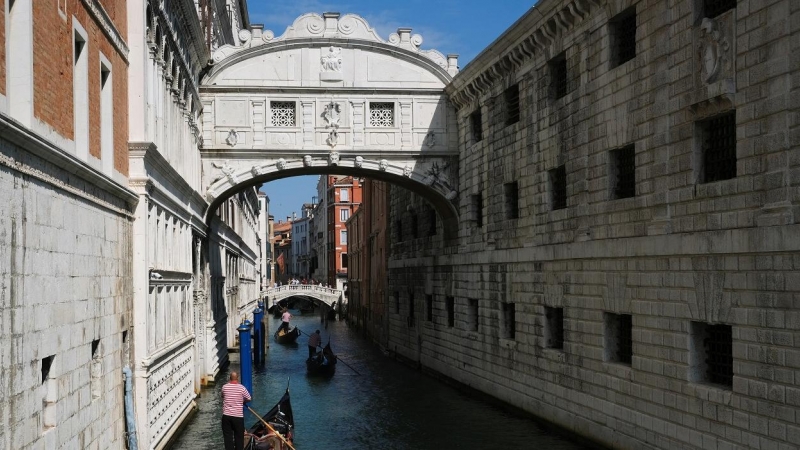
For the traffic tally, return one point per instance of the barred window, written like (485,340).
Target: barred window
(450,306)
(511,191)
(718,135)
(623,35)
(558,75)
(712,354)
(623,172)
(618,338)
(554,327)
(558,187)
(476,209)
(511,96)
(472,314)
(429,308)
(509,320)
(381,114)
(283,114)
(476,122)
(713,8)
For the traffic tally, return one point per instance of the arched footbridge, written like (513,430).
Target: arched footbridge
(322,295)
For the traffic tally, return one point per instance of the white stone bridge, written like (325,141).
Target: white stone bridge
(322,295)
(330,96)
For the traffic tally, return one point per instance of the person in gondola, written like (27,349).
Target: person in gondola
(234,396)
(285,318)
(314,341)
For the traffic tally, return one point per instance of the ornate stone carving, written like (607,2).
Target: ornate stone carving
(331,61)
(333,158)
(257,170)
(437,174)
(227,171)
(407,170)
(233,138)
(430,139)
(451,195)
(332,114)
(359,162)
(333,138)
(307,160)
(281,164)
(383,165)
(714,50)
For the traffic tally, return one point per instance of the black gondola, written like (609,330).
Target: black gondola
(287,337)
(323,363)
(281,419)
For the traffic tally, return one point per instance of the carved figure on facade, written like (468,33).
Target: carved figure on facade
(281,164)
(383,165)
(233,138)
(407,170)
(227,171)
(307,160)
(359,162)
(714,50)
(332,60)
(430,139)
(333,138)
(257,170)
(437,174)
(332,114)
(333,158)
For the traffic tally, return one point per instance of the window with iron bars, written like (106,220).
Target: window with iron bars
(623,35)
(508,311)
(450,306)
(558,76)
(511,193)
(476,123)
(472,314)
(476,209)
(381,114)
(623,175)
(511,97)
(558,187)
(718,141)
(712,354)
(713,8)
(283,114)
(618,338)
(554,327)
(429,308)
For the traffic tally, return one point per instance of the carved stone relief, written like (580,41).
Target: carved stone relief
(227,171)
(233,138)
(714,51)
(331,64)
(281,164)
(333,159)
(383,165)
(359,162)
(307,160)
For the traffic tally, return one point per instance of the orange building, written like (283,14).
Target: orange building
(344,198)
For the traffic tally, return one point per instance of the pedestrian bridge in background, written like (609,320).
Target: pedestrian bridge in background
(328,296)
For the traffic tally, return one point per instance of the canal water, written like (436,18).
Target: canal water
(378,404)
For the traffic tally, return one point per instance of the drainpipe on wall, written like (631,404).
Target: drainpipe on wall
(129,416)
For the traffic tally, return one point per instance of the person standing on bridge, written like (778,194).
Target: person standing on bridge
(314,341)
(234,396)
(285,318)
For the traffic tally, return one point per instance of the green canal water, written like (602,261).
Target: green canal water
(386,405)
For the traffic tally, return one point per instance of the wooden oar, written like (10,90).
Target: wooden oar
(271,429)
(339,359)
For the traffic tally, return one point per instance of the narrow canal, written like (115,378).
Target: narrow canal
(385,405)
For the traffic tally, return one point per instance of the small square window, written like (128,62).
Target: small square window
(508,310)
(283,114)
(713,8)
(623,36)
(511,96)
(711,359)
(558,75)
(554,327)
(558,187)
(718,143)
(450,306)
(618,338)
(381,114)
(429,308)
(511,192)
(623,172)
(476,123)
(343,237)
(476,209)
(472,314)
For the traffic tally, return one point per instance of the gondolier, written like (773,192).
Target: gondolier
(314,341)
(285,318)
(234,396)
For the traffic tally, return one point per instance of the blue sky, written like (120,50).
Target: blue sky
(464,27)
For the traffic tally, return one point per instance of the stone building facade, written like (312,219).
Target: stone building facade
(65,224)
(626,264)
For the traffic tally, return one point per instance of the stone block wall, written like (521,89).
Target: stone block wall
(532,309)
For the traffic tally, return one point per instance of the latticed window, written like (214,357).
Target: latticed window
(624,167)
(554,333)
(558,183)
(712,357)
(619,338)
(713,8)
(381,114)
(283,114)
(511,96)
(558,75)
(719,147)
(476,122)
(623,28)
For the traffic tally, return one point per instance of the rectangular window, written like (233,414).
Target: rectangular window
(472,314)
(106,116)
(558,187)
(343,237)
(344,215)
(344,195)
(450,306)
(711,354)
(511,96)
(431,222)
(623,172)
(618,338)
(80,90)
(50,383)
(429,308)
(344,261)
(511,192)
(713,8)
(718,145)
(508,311)
(476,123)
(96,370)
(381,114)
(283,114)
(558,75)
(554,327)
(623,36)
(396,302)
(476,209)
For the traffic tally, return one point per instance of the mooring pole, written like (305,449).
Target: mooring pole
(258,335)
(246,359)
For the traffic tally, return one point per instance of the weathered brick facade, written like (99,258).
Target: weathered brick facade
(705,244)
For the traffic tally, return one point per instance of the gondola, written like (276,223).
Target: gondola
(281,419)
(323,363)
(287,337)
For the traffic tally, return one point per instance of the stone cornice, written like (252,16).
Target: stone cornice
(529,36)
(100,16)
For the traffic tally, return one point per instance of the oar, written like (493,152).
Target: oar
(271,429)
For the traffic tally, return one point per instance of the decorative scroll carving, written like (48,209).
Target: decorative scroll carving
(333,138)
(430,139)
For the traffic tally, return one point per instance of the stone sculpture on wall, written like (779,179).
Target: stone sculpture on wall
(331,61)
(233,138)
(714,51)
(331,116)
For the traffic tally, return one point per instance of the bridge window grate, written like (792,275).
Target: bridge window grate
(619,338)
(558,184)
(624,172)
(381,114)
(719,147)
(623,32)
(558,75)
(554,331)
(713,8)
(283,114)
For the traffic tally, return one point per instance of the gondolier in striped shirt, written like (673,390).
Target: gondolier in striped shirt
(234,396)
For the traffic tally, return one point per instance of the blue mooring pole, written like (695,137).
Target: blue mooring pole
(258,335)
(246,359)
